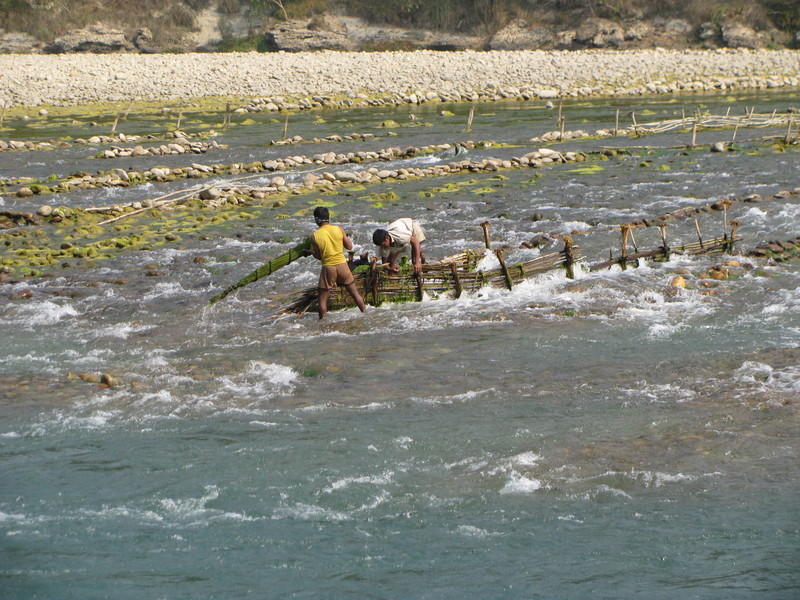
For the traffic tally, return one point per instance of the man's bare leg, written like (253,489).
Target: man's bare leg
(353,291)
(323,302)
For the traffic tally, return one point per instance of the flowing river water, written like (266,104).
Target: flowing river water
(609,436)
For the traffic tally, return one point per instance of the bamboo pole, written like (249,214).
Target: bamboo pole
(563,125)
(616,123)
(697,228)
(694,134)
(285,127)
(114,126)
(471,116)
(127,110)
(788,138)
(227,120)
(560,108)
(662,230)
(180,118)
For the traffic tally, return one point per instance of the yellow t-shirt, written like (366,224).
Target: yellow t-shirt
(328,239)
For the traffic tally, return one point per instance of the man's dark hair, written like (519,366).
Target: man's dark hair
(379,236)
(321,214)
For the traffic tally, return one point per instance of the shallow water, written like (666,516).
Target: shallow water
(607,437)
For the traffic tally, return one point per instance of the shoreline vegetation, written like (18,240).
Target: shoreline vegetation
(296,81)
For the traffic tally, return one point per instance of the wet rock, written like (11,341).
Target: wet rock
(24,192)
(718,147)
(45,210)
(109,380)
(678,282)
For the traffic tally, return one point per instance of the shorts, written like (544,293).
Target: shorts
(330,275)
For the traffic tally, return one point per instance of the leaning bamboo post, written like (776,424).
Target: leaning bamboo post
(114,126)
(616,123)
(569,257)
(560,109)
(456,279)
(127,110)
(697,228)
(563,124)
(180,118)
(735,129)
(285,127)
(633,241)
(504,268)
(471,116)
(486,240)
(788,138)
(633,118)
(694,133)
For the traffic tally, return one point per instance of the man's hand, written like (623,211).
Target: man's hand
(417,267)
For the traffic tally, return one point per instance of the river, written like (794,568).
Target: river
(609,436)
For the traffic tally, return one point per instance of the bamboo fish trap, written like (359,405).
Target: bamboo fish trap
(449,277)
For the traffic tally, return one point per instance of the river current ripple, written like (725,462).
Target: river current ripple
(609,436)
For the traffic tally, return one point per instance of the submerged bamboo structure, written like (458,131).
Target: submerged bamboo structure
(449,277)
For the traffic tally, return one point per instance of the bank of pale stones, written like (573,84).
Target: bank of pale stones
(273,81)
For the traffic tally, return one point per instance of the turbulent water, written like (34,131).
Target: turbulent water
(609,436)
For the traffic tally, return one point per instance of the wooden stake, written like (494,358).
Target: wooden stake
(504,268)
(560,107)
(285,127)
(227,120)
(456,279)
(420,289)
(623,260)
(471,116)
(486,240)
(180,117)
(694,134)
(735,129)
(127,110)
(373,279)
(563,123)
(633,118)
(788,138)
(724,219)
(569,257)
(114,126)
(616,123)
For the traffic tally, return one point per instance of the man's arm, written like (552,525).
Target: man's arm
(416,256)
(346,241)
(315,249)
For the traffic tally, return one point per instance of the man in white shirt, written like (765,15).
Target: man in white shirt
(398,237)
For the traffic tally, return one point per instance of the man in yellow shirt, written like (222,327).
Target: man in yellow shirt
(328,243)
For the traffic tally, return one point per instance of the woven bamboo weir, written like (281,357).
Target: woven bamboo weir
(449,278)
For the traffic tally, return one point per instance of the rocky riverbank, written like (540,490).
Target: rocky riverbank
(304,80)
